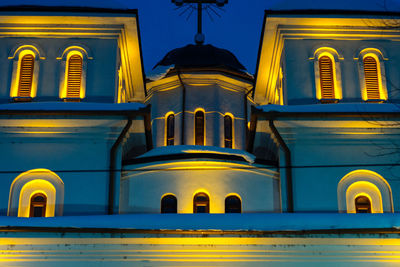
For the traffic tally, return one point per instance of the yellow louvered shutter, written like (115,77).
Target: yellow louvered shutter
(26,76)
(326,78)
(74,76)
(371,78)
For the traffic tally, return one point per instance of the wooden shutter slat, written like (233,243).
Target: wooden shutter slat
(26,76)
(371,78)
(74,76)
(326,78)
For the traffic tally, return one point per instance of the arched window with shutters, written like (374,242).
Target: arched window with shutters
(26,76)
(327,75)
(372,75)
(38,205)
(74,77)
(233,204)
(199,125)
(25,73)
(169,204)
(73,74)
(228,131)
(170,129)
(201,203)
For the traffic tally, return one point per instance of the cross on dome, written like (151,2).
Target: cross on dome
(199,37)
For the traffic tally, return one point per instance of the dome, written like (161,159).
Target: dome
(201,56)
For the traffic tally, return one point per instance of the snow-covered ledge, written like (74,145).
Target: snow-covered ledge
(268,222)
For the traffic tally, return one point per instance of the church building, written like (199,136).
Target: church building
(203,164)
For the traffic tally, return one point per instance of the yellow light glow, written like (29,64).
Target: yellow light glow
(16,77)
(382,94)
(280,28)
(331,53)
(194,126)
(363,188)
(31,188)
(188,205)
(233,129)
(63,91)
(166,126)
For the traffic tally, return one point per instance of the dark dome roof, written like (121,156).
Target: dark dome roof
(200,56)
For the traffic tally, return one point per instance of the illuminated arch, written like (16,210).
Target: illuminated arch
(73,73)
(372,75)
(169,129)
(32,182)
(199,127)
(24,81)
(201,202)
(328,78)
(364,183)
(229,133)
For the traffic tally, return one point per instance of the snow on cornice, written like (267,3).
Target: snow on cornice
(70,106)
(189,149)
(334,108)
(213,222)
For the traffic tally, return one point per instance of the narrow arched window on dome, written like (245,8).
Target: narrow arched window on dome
(170,130)
(169,204)
(25,78)
(38,205)
(74,78)
(199,128)
(371,75)
(233,204)
(363,204)
(201,203)
(326,76)
(228,131)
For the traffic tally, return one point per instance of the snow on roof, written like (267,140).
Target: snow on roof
(69,106)
(338,107)
(224,222)
(353,5)
(186,149)
(109,4)
(158,72)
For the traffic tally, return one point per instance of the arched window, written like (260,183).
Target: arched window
(199,128)
(38,192)
(372,75)
(169,204)
(38,205)
(233,204)
(74,78)
(327,75)
(170,130)
(362,204)
(25,77)
(228,131)
(201,203)
(371,78)
(25,73)
(364,191)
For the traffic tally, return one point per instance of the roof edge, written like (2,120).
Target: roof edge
(60,9)
(330,12)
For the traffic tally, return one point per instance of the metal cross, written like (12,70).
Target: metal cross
(199,38)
